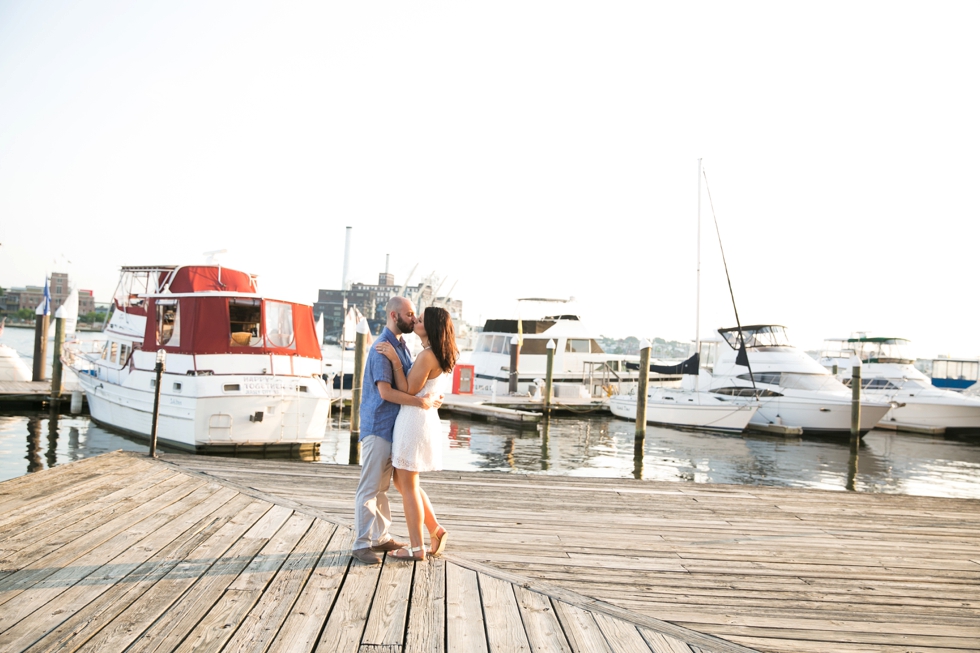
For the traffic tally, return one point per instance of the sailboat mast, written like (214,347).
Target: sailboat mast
(697,310)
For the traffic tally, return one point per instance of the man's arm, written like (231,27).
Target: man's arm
(403,398)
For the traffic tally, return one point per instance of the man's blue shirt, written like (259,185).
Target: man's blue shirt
(377,415)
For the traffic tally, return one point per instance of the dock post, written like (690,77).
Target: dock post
(158,368)
(56,369)
(856,400)
(643,383)
(545,443)
(41,321)
(515,354)
(360,358)
(549,374)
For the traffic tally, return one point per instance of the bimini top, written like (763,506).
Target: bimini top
(207,278)
(882,341)
(757,335)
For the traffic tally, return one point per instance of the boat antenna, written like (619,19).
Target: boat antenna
(697,309)
(738,323)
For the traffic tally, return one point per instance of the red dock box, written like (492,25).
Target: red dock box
(463,380)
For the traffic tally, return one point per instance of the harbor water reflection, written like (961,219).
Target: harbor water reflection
(596,446)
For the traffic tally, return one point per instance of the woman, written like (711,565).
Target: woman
(418,438)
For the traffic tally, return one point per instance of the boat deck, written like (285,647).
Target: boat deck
(123,552)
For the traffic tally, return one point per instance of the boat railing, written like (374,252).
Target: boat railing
(81,355)
(604,371)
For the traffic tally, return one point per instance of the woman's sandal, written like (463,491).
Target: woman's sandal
(438,543)
(410,553)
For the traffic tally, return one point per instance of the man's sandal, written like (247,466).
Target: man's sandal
(408,553)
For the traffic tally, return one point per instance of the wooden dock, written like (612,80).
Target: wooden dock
(775,569)
(122,552)
(33,393)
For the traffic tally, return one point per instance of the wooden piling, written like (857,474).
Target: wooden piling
(515,354)
(360,358)
(40,372)
(56,367)
(549,374)
(856,400)
(158,368)
(641,390)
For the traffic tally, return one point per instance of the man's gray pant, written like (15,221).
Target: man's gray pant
(372,515)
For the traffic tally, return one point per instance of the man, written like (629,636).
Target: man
(380,403)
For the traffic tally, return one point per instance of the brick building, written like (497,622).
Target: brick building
(30,297)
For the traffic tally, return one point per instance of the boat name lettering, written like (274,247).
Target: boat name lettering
(260,385)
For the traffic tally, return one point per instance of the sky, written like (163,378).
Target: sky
(518,149)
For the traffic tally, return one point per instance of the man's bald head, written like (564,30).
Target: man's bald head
(401,314)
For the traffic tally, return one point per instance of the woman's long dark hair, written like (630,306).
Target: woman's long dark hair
(442,336)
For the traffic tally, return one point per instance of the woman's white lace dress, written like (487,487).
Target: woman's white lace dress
(418,438)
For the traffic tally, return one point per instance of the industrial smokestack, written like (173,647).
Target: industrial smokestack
(387,261)
(343,285)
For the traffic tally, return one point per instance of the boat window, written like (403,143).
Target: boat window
(245,316)
(484,343)
(500,345)
(113,351)
(232,387)
(760,336)
(168,323)
(741,391)
(769,378)
(534,347)
(123,353)
(939,370)
(578,346)
(105,350)
(279,324)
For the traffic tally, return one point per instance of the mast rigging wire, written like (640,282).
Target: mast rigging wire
(738,323)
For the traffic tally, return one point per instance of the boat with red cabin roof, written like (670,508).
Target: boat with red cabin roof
(242,371)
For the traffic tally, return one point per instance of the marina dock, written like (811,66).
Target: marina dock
(34,394)
(232,554)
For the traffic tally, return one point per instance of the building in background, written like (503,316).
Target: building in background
(370,300)
(15,299)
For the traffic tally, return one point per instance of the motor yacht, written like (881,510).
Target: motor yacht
(242,371)
(888,374)
(581,369)
(792,388)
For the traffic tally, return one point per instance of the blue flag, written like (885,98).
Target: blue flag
(47,298)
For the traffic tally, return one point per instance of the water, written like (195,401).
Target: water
(596,446)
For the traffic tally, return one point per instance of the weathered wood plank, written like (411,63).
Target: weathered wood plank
(219,555)
(427,611)
(84,621)
(581,629)
(222,619)
(302,627)
(346,622)
(540,622)
(465,632)
(505,629)
(662,643)
(93,573)
(262,624)
(621,635)
(386,621)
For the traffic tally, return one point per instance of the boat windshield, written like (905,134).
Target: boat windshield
(768,335)
(883,350)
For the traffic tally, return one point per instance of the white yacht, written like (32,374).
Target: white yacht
(687,408)
(792,388)
(888,374)
(581,369)
(242,370)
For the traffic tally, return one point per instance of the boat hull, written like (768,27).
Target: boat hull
(816,415)
(202,418)
(727,417)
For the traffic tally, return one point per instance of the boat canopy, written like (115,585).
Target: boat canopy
(757,335)
(223,324)
(510,326)
(207,278)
